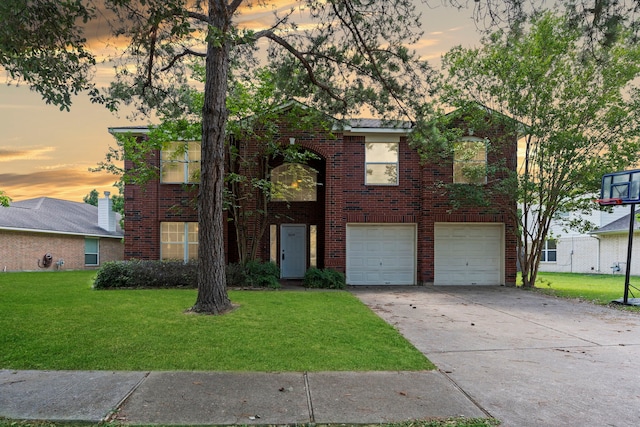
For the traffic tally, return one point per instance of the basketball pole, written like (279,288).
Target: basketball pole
(632,221)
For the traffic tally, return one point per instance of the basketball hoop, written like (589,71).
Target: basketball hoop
(608,202)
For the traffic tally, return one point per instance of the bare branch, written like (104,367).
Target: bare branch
(152,50)
(180,55)
(233,6)
(198,16)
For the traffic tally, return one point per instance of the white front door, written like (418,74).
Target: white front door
(293,251)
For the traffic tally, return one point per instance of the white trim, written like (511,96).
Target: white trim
(381,131)
(66,233)
(135,130)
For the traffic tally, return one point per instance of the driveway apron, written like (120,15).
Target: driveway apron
(525,358)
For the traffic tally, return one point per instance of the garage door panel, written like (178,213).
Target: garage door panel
(381,254)
(468,254)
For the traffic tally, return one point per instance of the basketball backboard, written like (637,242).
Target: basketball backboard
(620,188)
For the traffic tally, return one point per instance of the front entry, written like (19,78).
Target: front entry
(293,251)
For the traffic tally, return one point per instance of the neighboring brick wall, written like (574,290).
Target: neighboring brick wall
(20,251)
(111,250)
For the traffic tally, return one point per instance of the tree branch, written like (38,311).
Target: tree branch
(233,6)
(198,16)
(282,42)
(180,55)
(366,51)
(152,50)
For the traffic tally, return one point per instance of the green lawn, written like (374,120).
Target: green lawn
(599,288)
(55,320)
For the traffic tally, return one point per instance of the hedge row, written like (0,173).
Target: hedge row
(146,274)
(177,274)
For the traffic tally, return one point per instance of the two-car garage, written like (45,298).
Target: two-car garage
(464,254)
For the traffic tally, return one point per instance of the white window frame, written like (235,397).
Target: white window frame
(186,242)
(189,165)
(546,250)
(458,177)
(96,253)
(371,160)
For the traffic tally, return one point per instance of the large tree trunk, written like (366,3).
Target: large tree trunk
(212,286)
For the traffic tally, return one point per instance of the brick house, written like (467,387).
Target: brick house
(374,212)
(51,234)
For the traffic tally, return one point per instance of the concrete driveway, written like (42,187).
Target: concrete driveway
(525,358)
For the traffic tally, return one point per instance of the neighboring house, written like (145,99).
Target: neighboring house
(53,234)
(613,239)
(571,251)
(375,212)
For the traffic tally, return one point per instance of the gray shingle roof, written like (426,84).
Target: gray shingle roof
(619,225)
(50,215)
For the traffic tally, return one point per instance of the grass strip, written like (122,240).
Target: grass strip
(597,288)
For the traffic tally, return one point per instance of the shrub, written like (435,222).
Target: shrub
(177,274)
(253,274)
(325,279)
(147,274)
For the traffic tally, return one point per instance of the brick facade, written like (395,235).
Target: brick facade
(343,198)
(21,251)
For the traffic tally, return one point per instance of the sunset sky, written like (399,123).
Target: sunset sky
(46,152)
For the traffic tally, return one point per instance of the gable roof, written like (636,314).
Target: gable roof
(48,215)
(618,226)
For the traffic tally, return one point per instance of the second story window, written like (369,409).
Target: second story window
(294,182)
(381,163)
(470,161)
(180,163)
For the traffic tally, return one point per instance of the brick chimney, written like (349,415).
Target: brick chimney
(106,215)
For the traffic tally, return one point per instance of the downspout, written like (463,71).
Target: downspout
(597,253)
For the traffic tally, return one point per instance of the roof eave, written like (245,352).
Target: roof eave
(68,233)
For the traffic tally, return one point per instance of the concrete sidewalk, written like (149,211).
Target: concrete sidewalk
(231,398)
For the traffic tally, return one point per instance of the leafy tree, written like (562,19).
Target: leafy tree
(92,197)
(116,199)
(42,44)
(4,199)
(257,111)
(579,113)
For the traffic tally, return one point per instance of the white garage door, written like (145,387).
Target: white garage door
(381,254)
(469,254)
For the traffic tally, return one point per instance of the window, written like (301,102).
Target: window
(91,251)
(313,246)
(294,182)
(179,240)
(180,162)
(273,243)
(381,163)
(470,161)
(549,251)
